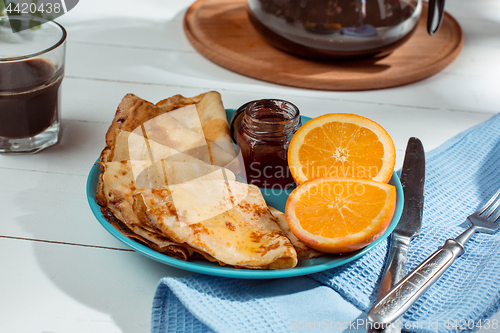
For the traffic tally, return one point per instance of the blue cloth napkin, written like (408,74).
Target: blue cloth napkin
(460,176)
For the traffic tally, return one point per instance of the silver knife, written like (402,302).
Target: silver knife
(412,181)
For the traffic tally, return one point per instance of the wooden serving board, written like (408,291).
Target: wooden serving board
(221,31)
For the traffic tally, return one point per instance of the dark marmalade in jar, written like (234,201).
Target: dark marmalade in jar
(267,126)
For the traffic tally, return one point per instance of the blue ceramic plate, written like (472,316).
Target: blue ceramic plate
(273,198)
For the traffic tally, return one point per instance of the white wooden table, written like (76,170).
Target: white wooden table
(60,271)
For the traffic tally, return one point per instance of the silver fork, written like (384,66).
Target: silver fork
(411,287)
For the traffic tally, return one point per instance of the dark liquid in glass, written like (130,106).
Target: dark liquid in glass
(28,97)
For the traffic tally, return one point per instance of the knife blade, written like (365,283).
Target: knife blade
(412,180)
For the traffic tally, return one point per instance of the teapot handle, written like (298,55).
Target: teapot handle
(430,17)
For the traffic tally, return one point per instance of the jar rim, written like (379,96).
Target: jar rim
(257,119)
(273,102)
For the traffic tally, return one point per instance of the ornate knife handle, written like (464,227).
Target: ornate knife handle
(411,287)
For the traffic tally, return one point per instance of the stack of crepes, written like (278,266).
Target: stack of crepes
(173,181)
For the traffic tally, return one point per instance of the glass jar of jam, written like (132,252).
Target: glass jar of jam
(263,136)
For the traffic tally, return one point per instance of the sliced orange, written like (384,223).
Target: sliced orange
(341,145)
(339,215)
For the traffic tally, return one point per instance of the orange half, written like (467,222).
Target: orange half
(343,146)
(340,215)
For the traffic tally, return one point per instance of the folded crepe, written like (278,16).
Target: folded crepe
(211,114)
(223,220)
(169,181)
(213,215)
(208,108)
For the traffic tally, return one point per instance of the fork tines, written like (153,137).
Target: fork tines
(487,211)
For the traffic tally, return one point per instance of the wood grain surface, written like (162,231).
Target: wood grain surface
(221,31)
